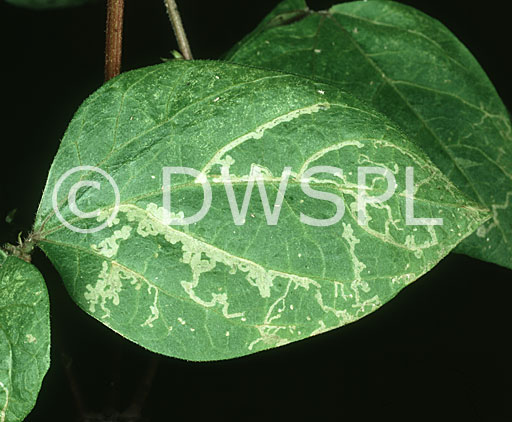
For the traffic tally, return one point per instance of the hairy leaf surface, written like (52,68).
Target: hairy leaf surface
(24,337)
(413,69)
(213,289)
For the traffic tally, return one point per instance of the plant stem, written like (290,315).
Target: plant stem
(179,30)
(114,41)
(24,248)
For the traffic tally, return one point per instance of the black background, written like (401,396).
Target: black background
(440,350)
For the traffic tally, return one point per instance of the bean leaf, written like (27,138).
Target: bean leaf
(214,289)
(413,69)
(24,337)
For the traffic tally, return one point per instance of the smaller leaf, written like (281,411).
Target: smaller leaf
(24,337)
(411,68)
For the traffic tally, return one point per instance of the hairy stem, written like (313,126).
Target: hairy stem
(179,30)
(114,41)
(23,249)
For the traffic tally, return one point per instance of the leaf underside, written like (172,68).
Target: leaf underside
(414,70)
(24,337)
(214,290)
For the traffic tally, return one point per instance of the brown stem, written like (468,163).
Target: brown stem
(114,42)
(179,30)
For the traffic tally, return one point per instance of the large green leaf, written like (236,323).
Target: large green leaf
(47,4)
(213,289)
(24,337)
(413,69)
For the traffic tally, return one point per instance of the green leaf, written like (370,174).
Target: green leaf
(47,4)
(213,289)
(413,69)
(24,337)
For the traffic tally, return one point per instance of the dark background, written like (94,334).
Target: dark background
(440,350)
